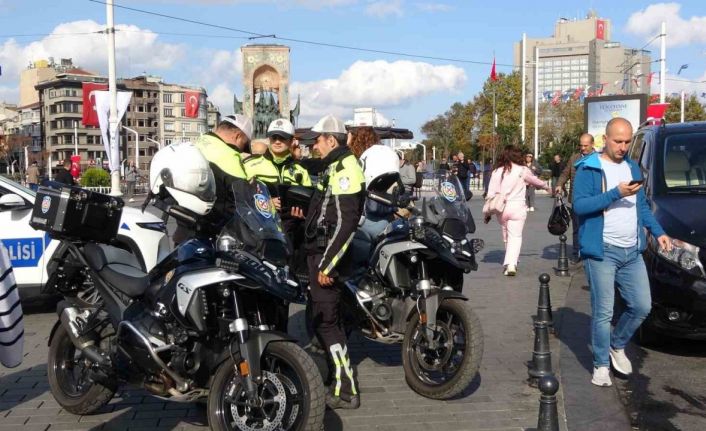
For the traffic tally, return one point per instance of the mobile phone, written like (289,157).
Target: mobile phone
(633,182)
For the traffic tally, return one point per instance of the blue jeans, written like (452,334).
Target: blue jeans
(625,268)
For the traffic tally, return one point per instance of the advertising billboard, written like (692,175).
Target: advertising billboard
(599,110)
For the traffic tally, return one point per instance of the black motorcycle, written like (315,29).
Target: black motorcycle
(198,327)
(405,286)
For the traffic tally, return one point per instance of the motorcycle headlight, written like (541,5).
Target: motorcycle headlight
(683,254)
(227,243)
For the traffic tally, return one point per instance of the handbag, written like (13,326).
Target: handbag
(494,204)
(560,217)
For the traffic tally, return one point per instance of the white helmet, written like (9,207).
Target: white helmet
(186,176)
(381,167)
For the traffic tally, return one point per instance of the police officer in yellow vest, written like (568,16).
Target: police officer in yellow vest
(333,217)
(277,166)
(222,148)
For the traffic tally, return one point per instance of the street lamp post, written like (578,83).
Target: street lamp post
(137,145)
(159,144)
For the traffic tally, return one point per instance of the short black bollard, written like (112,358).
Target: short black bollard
(562,269)
(548,415)
(544,304)
(541,364)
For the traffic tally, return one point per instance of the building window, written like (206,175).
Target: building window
(181,97)
(186,127)
(167,142)
(52,94)
(167,97)
(169,127)
(168,112)
(183,112)
(140,123)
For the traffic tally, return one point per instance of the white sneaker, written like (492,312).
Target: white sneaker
(510,270)
(620,362)
(601,377)
(131,200)
(531,209)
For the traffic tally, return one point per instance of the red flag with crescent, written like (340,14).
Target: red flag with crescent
(192,104)
(90,116)
(600,29)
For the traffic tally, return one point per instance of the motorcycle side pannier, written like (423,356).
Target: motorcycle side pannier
(73,213)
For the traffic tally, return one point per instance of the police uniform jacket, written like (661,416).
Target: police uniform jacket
(337,205)
(227,164)
(277,170)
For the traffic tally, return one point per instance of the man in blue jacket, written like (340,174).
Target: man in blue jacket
(613,214)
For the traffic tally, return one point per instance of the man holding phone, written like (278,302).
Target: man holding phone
(613,213)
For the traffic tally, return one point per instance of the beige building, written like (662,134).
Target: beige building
(156,112)
(581,55)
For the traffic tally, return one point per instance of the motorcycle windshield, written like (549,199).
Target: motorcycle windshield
(255,219)
(448,200)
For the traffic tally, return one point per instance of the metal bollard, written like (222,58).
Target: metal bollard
(541,364)
(544,304)
(548,415)
(562,269)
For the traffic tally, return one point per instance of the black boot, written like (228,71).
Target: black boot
(334,403)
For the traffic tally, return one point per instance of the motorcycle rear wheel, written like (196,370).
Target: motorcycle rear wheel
(67,372)
(446,371)
(292,394)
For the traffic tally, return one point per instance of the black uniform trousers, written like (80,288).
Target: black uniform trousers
(328,327)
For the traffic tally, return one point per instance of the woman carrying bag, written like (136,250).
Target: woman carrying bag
(506,200)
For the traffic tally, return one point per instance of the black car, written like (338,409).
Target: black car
(672,159)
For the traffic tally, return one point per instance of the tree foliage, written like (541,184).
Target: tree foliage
(693,109)
(95,177)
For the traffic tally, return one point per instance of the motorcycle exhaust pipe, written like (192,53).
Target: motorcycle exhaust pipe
(69,318)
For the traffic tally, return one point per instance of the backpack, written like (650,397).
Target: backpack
(560,218)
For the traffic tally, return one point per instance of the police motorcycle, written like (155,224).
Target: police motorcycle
(198,326)
(405,280)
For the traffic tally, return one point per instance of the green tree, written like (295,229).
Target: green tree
(693,110)
(95,177)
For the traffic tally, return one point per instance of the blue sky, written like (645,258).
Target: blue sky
(411,90)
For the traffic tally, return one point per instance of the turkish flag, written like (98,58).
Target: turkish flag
(192,103)
(493,75)
(75,166)
(600,29)
(90,116)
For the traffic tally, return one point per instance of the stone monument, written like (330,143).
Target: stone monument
(266,87)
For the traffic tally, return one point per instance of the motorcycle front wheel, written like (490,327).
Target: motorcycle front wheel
(446,370)
(291,395)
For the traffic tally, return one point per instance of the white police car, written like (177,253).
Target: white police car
(31,250)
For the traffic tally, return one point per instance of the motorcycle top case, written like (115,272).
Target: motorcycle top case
(73,213)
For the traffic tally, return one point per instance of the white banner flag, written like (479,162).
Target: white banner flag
(112,147)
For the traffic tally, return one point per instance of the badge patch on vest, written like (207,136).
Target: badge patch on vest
(344,183)
(448,191)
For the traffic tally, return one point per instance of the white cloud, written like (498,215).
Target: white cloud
(375,83)
(222,96)
(434,7)
(136,49)
(680,31)
(384,8)
(309,4)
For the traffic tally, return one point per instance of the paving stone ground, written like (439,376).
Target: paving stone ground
(498,399)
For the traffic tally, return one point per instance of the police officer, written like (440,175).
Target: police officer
(277,166)
(222,148)
(332,219)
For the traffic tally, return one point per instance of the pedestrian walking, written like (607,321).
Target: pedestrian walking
(536,170)
(487,172)
(33,176)
(131,177)
(407,172)
(510,180)
(557,167)
(569,174)
(613,214)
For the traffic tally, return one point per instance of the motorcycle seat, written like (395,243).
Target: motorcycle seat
(118,267)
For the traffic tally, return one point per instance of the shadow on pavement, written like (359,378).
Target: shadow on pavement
(574,333)
(494,256)
(9,382)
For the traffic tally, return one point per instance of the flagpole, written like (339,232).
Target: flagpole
(112,89)
(492,82)
(663,60)
(524,67)
(536,102)
(682,106)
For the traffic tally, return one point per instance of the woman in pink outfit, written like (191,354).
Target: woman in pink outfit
(510,179)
